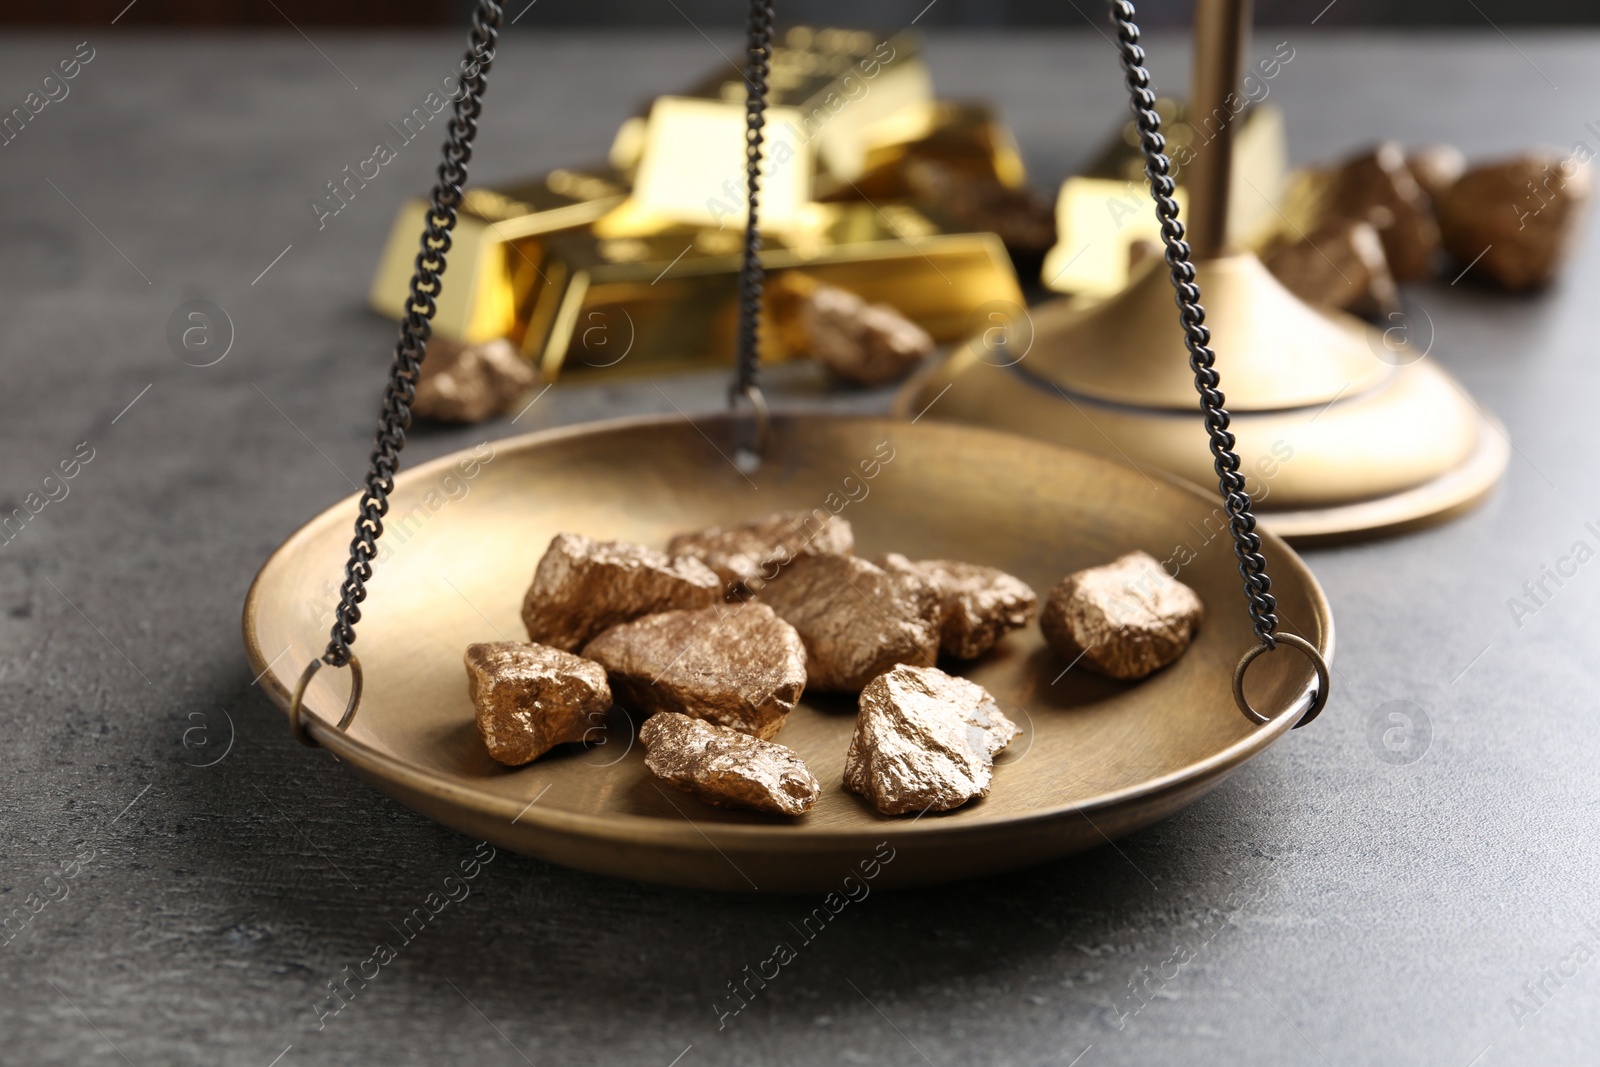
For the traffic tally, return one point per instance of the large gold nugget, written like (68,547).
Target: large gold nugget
(924,741)
(583,587)
(1124,620)
(738,666)
(977,605)
(746,554)
(727,768)
(856,619)
(530,698)
(1515,221)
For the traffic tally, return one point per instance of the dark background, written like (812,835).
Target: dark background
(717,13)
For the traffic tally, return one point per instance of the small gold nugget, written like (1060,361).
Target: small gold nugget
(736,666)
(727,768)
(857,620)
(868,344)
(1124,620)
(977,605)
(751,552)
(530,698)
(1515,221)
(471,383)
(583,587)
(924,741)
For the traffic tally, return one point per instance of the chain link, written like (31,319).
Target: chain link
(415,330)
(758,58)
(1197,338)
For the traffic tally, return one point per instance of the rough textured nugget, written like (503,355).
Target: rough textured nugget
(1378,188)
(744,554)
(977,605)
(736,666)
(1520,215)
(727,768)
(1340,264)
(583,587)
(530,698)
(868,344)
(1124,620)
(924,741)
(471,383)
(857,620)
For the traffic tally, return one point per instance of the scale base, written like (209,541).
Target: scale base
(1341,431)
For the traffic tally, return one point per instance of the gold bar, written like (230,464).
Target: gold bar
(667,302)
(494,249)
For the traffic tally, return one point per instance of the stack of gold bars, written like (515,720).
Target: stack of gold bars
(869,184)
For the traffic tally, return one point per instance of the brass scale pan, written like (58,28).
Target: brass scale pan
(1096,759)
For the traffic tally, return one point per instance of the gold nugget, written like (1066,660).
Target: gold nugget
(738,666)
(868,344)
(1378,188)
(924,741)
(727,768)
(471,383)
(1436,167)
(583,587)
(857,620)
(1515,221)
(530,698)
(977,605)
(1340,264)
(1124,620)
(752,552)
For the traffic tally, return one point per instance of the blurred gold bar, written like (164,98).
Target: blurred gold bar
(494,249)
(1102,213)
(669,301)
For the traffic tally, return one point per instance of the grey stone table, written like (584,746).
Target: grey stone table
(1327,905)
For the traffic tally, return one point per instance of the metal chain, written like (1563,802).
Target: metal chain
(415,330)
(758,57)
(1197,338)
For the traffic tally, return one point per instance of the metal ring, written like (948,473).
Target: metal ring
(758,408)
(1319,698)
(297,712)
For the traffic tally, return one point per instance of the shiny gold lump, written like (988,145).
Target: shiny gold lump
(727,768)
(583,587)
(471,383)
(977,605)
(734,665)
(749,553)
(530,698)
(1124,620)
(857,620)
(924,741)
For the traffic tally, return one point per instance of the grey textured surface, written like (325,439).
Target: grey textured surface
(1325,906)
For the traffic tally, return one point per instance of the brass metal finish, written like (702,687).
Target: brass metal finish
(1221,33)
(1412,450)
(1095,758)
(1273,351)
